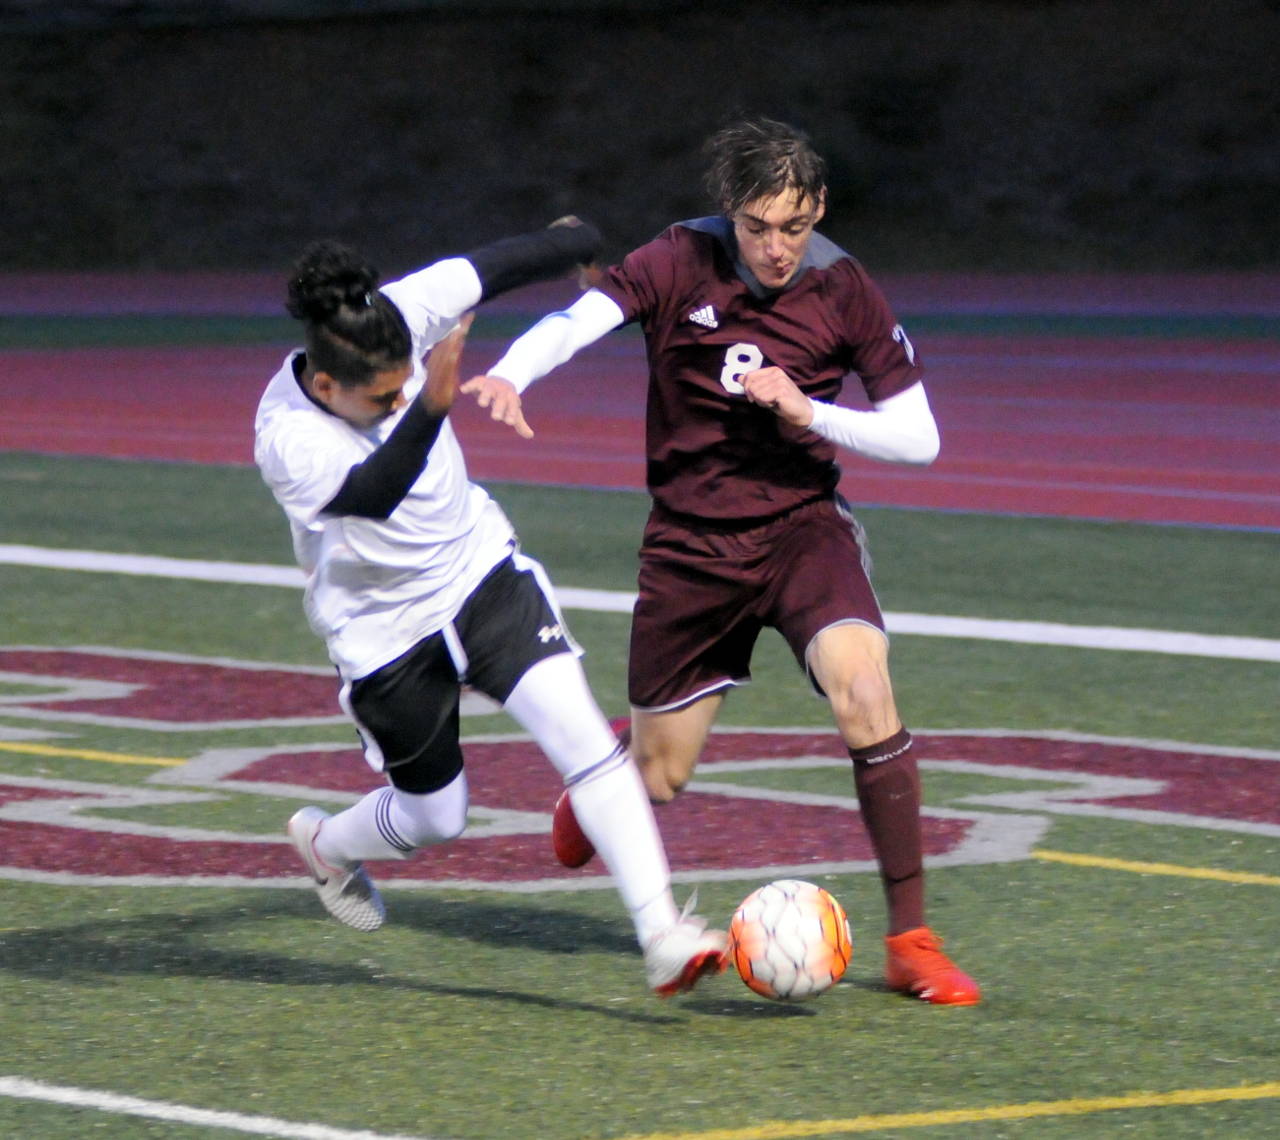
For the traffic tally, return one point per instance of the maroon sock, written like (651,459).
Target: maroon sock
(888,785)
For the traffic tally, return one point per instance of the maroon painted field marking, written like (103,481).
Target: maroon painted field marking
(702,832)
(53,829)
(161,690)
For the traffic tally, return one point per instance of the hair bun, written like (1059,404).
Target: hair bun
(327,276)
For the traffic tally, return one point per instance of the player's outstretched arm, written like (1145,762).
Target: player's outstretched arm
(502,400)
(533,354)
(567,245)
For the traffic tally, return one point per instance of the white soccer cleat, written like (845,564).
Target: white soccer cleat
(347,893)
(677,958)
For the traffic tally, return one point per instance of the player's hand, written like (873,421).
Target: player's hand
(773,389)
(502,400)
(442,369)
(588,275)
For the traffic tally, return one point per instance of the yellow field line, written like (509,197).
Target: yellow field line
(791,1130)
(1156,868)
(90,754)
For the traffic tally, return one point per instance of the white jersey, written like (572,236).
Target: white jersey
(377,587)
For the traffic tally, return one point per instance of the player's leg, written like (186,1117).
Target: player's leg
(552,701)
(535,674)
(849,663)
(665,746)
(407,714)
(393,822)
(834,624)
(691,638)
(666,743)
(693,629)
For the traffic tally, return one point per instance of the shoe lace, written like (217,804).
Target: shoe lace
(927,947)
(687,917)
(356,883)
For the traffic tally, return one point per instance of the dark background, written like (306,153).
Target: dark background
(962,134)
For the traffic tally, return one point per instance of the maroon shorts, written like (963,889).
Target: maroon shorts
(706,592)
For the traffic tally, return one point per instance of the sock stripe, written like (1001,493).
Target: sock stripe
(888,749)
(615,759)
(382,820)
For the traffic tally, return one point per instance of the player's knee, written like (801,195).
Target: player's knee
(449,828)
(666,752)
(863,705)
(662,795)
(663,780)
(661,790)
(425,820)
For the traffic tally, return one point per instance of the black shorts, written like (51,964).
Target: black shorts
(706,592)
(407,711)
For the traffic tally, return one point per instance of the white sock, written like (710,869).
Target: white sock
(392,824)
(554,704)
(613,810)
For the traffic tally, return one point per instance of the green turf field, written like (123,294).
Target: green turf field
(1129,962)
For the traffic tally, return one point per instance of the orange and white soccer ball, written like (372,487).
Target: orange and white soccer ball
(789,940)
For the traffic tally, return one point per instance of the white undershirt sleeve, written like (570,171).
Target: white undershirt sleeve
(556,337)
(900,429)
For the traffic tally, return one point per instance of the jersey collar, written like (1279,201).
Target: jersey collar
(720,228)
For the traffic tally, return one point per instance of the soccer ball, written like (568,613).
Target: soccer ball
(789,940)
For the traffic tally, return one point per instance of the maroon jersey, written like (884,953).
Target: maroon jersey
(711,453)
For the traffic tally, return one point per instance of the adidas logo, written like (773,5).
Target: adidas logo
(705,316)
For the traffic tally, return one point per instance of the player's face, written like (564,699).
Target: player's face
(364,405)
(773,233)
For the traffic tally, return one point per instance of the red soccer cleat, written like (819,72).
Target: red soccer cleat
(570,844)
(622,730)
(916,965)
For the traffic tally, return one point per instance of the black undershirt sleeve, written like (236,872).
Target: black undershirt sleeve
(374,487)
(538,256)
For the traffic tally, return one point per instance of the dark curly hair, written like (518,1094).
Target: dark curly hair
(758,158)
(353,331)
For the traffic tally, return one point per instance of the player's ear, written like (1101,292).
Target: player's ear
(822,206)
(322,386)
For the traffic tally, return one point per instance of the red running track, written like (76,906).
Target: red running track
(1134,428)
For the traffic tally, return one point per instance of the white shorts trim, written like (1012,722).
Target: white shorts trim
(693,698)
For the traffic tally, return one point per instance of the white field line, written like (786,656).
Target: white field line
(617,601)
(23,1089)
